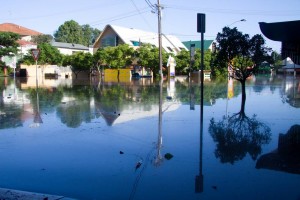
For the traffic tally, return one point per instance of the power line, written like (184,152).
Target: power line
(132,1)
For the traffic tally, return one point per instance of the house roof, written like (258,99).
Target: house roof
(207,44)
(69,46)
(288,31)
(9,27)
(131,35)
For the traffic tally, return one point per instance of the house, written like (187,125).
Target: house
(25,33)
(115,35)
(70,48)
(208,44)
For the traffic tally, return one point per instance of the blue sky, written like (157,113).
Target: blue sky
(179,16)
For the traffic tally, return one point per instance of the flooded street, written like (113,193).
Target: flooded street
(104,139)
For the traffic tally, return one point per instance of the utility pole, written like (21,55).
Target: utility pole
(159,38)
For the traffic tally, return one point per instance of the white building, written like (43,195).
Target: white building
(115,35)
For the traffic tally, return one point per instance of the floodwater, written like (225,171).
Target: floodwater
(116,140)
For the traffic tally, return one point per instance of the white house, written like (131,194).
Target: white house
(69,48)
(115,35)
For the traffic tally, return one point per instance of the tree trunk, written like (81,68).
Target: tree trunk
(243,82)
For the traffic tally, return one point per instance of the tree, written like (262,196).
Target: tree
(72,32)
(69,32)
(8,45)
(79,62)
(38,39)
(148,56)
(241,55)
(89,34)
(49,55)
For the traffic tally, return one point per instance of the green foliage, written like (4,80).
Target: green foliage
(148,56)
(49,55)
(69,32)
(39,39)
(72,32)
(79,61)
(119,56)
(8,45)
(248,53)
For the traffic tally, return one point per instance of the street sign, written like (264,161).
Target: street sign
(35,54)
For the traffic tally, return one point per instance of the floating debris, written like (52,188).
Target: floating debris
(168,156)
(138,164)
(121,152)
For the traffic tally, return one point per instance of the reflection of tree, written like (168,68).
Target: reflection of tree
(48,98)
(238,135)
(10,116)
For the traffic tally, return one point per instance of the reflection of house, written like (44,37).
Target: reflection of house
(69,48)
(116,35)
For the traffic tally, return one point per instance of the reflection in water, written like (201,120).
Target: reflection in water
(200,178)
(158,159)
(238,135)
(37,120)
(286,157)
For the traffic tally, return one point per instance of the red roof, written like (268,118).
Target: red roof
(9,27)
(24,43)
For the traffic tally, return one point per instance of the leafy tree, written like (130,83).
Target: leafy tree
(49,55)
(183,62)
(69,32)
(149,57)
(8,45)
(100,58)
(79,62)
(89,34)
(38,39)
(240,54)
(72,32)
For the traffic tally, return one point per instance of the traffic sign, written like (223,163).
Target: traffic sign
(35,54)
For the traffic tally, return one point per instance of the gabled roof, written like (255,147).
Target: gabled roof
(9,27)
(207,44)
(130,36)
(69,46)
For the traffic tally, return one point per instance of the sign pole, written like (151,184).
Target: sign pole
(201,29)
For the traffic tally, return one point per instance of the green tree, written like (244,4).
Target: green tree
(89,34)
(100,59)
(72,32)
(240,54)
(183,62)
(49,55)
(69,32)
(148,56)
(8,45)
(79,62)
(38,39)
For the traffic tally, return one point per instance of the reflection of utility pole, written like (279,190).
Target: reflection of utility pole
(159,158)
